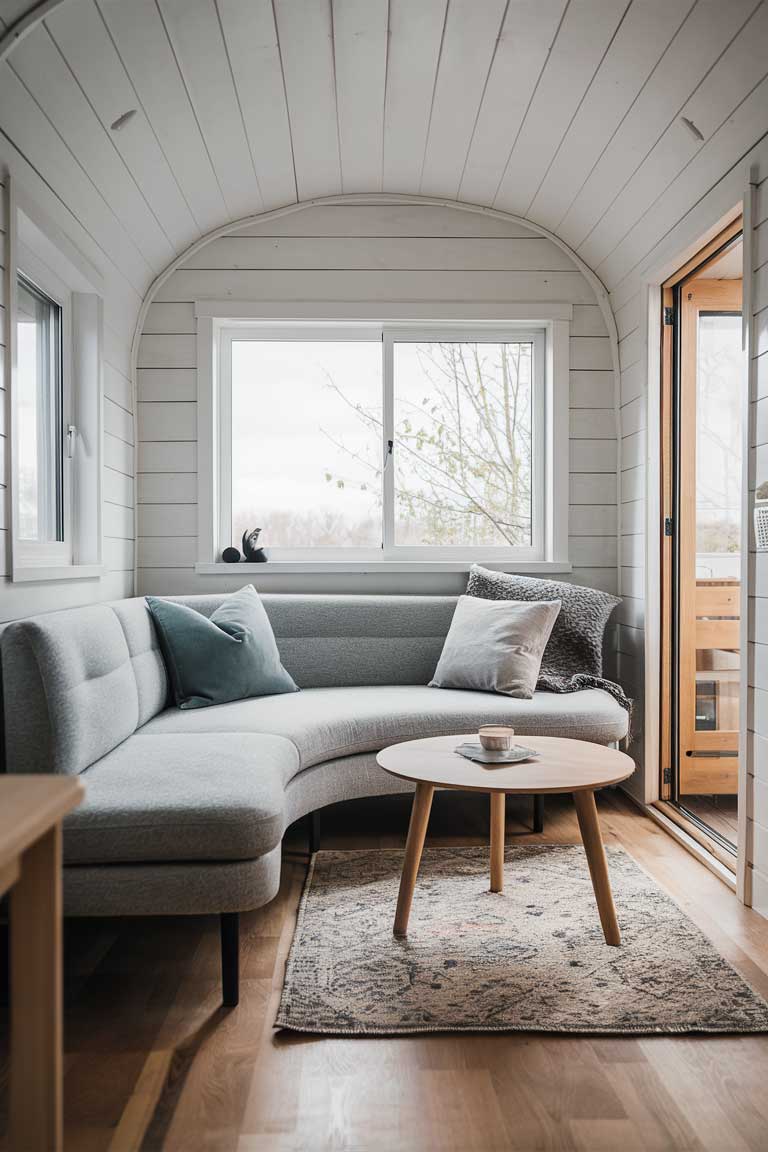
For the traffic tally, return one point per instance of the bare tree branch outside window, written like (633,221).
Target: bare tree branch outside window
(463,447)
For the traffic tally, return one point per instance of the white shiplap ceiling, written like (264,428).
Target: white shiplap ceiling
(566,113)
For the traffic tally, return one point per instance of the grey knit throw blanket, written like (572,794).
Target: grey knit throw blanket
(573,657)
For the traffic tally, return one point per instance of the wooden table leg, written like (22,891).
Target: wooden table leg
(589,826)
(417,831)
(36,1061)
(498,822)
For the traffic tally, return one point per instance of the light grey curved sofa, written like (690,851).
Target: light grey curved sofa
(185,810)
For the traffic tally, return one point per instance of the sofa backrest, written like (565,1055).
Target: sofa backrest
(77,683)
(346,641)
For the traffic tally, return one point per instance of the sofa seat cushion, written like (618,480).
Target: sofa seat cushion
(182,796)
(327,723)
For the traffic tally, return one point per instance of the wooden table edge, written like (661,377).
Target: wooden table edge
(629,767)
(68,791)
(525,790)
(31,846)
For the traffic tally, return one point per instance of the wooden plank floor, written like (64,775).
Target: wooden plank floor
(154,1062)
(721,813)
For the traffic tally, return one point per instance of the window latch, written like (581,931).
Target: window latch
(71,434)
(388,454)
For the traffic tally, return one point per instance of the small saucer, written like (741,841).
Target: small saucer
(514,755)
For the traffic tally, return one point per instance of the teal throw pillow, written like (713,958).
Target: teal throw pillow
(230,655)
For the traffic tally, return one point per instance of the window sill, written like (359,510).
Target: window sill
(43,572)
(283,567)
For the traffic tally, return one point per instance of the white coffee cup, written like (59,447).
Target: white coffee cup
(496,737)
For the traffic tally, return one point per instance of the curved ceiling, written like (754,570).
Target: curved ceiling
(603,121)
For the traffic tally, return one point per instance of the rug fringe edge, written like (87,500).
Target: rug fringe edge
(683,1030)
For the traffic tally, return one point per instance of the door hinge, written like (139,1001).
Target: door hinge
(669,526)
(667,776)
(669,315)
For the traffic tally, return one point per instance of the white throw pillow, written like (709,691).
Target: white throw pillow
(496,645)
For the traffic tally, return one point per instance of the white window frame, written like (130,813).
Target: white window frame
(42,254)
(50,553)
(550,335)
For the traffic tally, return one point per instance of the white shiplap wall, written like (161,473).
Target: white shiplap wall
(373,255)
(25,599)
(633,402)
(681,236)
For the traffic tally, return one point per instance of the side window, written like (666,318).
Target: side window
(41,427)
(55,358)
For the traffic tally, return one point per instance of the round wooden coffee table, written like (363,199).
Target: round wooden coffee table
(563,766)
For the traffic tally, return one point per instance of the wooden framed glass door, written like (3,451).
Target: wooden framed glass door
(711,378)
(703,383)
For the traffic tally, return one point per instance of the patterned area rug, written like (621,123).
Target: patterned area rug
(529,959)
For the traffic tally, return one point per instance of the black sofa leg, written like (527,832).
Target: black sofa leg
(538,813)
(314,832)
(230,958)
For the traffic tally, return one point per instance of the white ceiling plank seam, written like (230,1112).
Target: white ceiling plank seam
(719,96)
(469,43)
(29,129)
(306,45)
(360,36)
(47,77)
(433,91)
(702,42)
(198,44)
(526,40)
(139,35)
(586,31)
(415,37)
(83,39)
(641,41)
(253,47)
(238,99)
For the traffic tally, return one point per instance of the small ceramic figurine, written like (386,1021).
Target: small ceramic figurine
(231,556)
(252,553)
